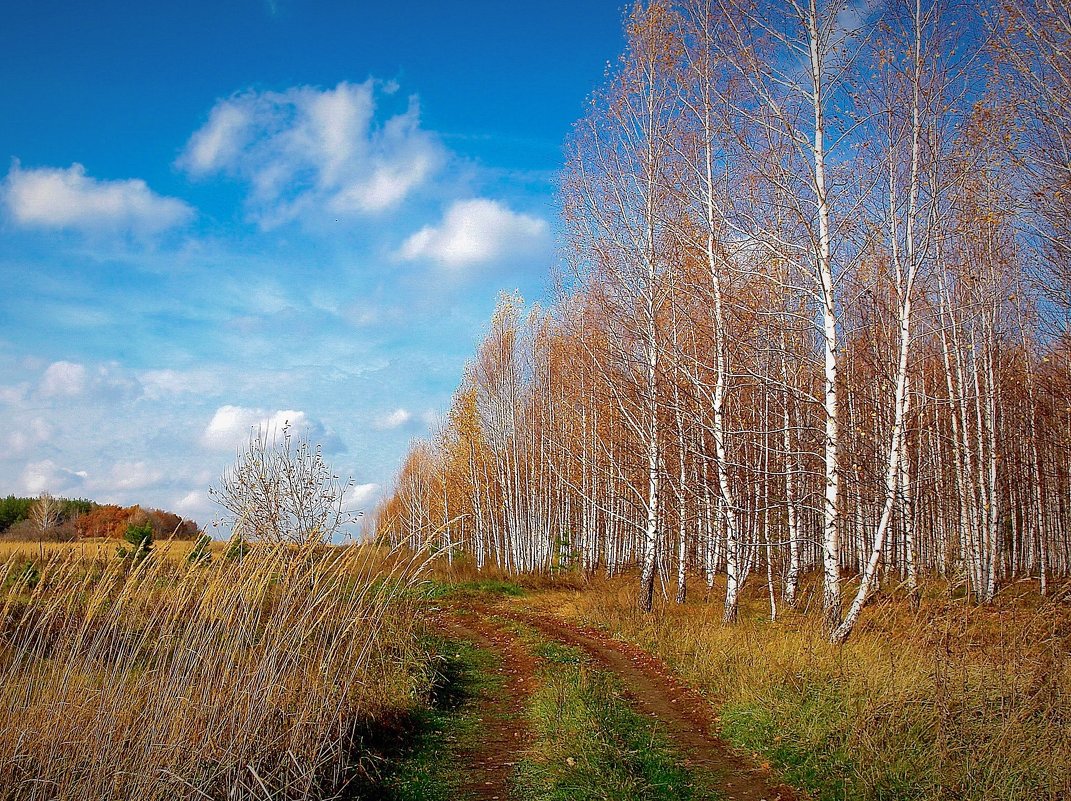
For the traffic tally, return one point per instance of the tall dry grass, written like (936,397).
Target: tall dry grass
(160,679)
(952,701)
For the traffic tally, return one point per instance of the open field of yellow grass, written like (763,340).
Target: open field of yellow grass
(160,678)
(94,549)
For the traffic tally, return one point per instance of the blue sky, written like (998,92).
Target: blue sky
(219,215)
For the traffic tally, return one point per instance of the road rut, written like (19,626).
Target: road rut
(685,716)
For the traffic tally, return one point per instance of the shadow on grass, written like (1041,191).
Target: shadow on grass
(416,756)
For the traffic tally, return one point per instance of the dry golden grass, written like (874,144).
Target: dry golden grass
(94,549)
(162,679)
(951,701)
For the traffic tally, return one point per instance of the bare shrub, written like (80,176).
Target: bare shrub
(281,490)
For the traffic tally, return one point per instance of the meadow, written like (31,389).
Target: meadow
(95,548)
(162,677)
(280,675)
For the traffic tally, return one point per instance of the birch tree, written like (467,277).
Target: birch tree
(617,202)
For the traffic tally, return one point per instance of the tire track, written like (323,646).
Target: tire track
(504,731)
(654,691)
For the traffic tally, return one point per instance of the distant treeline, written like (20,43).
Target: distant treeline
(83,518)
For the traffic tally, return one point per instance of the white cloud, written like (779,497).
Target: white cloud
(56,198)
(136,475)
(219,143)
(308,150)
(359,496)
(476,231)
(196,505)
(23,438)
(63,379)
(363,314)
(47,476)
(399,417)
(15,394)
(231,427)
(160,384)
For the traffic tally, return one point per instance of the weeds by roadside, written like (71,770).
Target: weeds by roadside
(435,589)
(425,767)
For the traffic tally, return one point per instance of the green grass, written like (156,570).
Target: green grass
(438,589)
(810,754)
(590,744)
(436,735)
(807,734)
(434,589)
(856,734)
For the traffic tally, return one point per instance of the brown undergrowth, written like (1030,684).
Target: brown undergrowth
(158,678)
(951,701)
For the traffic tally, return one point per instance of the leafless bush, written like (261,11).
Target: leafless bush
(282,491)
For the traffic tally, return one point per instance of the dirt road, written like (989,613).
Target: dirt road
(503,732)
(684,716)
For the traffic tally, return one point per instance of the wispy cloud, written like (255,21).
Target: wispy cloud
(22,439)
(130,475)
(50,197)
(70,380)
(14,394)
(167,383)
(47,476)
(477,231)
(308,150)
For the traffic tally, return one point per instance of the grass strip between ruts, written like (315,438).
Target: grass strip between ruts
(590,743)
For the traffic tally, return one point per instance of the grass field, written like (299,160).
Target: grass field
(160,678)
(951,701)
(93,549)
(266,677)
